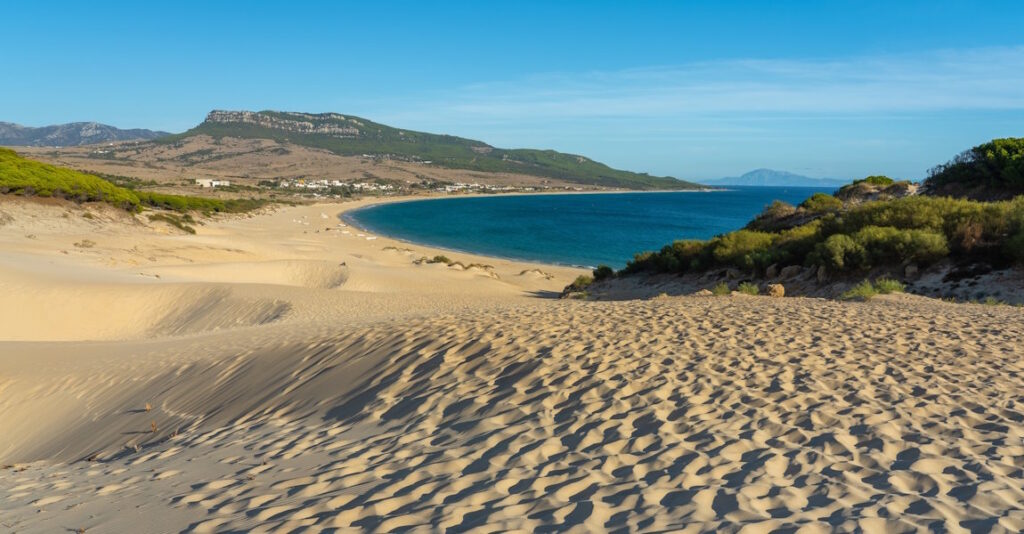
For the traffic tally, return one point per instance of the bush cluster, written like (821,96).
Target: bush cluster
(32,178)
(875,180)
(581,283)
(866,289)
(822,202)
(182,222)
(603,272)
(887,232)
(997,165)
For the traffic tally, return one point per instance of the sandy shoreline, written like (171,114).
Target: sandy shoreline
(274,373)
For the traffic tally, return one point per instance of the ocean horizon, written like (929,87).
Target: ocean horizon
(583,230)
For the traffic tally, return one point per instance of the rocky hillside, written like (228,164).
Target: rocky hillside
(71,134)
(346,135)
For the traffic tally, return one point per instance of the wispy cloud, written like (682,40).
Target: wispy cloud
(896,114)
(980,79)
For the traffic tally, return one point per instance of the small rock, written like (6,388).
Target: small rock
(790,271)
(772,271)
(703,293)
(733,274)
(910,271)
(776,290)
(822,275)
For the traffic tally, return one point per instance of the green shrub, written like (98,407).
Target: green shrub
(603,272)
(32,178)
(1014,247)
(721,289)
(865,290)
(184,204)
(822,202)
(182,222)
(772,216)
(840,252)
(861,291)
(748,288)
(885,286)
(581,283)
(878,233)
(884,243)
(998,165)
(875,180)
(743,248)
(792,246)
(440,259)
(916,229)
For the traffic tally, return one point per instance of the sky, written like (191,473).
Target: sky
(695,90)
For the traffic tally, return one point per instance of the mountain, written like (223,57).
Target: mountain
(769,177)
(347,135)
(71,134)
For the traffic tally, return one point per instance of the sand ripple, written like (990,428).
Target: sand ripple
(750,415)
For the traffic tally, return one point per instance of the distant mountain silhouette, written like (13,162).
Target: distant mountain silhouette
(71,134)
(769,177)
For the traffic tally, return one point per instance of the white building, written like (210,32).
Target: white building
(207,182)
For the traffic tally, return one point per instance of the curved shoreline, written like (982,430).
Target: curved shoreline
(344,215)
(348,217)
(352,217)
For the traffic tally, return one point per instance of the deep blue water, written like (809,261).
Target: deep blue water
(572,229)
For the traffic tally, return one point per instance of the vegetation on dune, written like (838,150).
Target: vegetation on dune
(721,289)
(993,170)
(32,178)
(370,138)
(578,287)
(581,283)
(603,272)
(885,286)
(874,180)
(876,222)
(204,205)
(912,229)
(866,289)
(182,222)
(748,288)
(822,203)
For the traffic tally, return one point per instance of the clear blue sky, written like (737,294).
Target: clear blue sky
(689,89)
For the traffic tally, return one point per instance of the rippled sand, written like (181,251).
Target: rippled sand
(389,396)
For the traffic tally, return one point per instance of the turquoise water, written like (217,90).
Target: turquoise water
(585,230)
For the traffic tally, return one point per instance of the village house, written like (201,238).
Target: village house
(208,182)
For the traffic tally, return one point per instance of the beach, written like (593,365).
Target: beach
(286,372)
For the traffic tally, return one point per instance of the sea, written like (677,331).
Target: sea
(571,229)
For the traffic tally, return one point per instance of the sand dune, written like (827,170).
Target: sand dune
(425,398)
(315,274)
(49,308)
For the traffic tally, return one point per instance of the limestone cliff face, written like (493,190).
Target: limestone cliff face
(303,123)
